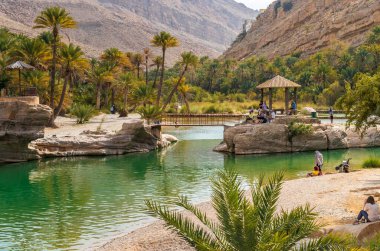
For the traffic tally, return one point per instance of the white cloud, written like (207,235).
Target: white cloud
(256,4)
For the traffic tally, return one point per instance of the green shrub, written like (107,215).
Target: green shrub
(149,112)
(211,109)
(371,163)
(83,112)
(296,129)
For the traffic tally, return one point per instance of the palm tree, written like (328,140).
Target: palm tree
(246,223)
(164,40)
(137,61)
(116,61)
(98,75)
(184,91)
(189,59)
(125,82)
(157,61)
(55,19)
(146,56)
(143,95)
(33,51)
(149,112)
(72,60)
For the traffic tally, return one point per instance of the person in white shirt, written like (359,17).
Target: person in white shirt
(370,211)
(319,161)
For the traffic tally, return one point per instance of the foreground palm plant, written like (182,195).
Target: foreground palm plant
(246,223)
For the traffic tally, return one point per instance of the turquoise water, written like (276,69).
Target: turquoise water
(75,203)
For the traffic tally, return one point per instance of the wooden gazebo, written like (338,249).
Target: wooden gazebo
(278,82)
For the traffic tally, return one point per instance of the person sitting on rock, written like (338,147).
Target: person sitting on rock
(262,117)
(250,116)
(369,213)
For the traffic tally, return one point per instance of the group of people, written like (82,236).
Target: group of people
(264,114)
(370,211)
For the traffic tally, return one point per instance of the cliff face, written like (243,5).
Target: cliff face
(206,27)
(20,123)
(307,26)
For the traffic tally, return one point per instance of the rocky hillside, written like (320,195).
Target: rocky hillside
(306,26)
(206,27)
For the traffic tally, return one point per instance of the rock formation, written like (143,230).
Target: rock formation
(133,137)
(273,138)
(20,123)
(205,27)
(306,26)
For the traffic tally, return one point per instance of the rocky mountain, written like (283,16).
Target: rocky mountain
(206,27)
(306,26)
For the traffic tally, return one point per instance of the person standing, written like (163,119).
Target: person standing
(293,108)
(319,161)
(331,113)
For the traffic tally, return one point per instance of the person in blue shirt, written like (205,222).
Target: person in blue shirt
(293,108)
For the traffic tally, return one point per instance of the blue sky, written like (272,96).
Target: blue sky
(256,4)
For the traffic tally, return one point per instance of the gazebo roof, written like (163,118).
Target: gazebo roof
(19,65)
(278,82)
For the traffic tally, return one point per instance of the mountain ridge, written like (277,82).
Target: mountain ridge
(307,27)
(130,25)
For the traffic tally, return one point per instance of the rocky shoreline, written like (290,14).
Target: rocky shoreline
(274,138)
(23,138)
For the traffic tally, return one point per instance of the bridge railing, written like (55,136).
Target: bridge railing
(200,119)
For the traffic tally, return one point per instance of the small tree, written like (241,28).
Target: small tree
(246,223)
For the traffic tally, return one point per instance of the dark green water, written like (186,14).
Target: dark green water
(67,204)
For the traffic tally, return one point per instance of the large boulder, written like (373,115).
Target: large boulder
(273,138)
(261,138)
(316,140)
(133,137)
(21,123)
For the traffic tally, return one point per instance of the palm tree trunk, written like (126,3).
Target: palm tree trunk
(98,95)
(138,71)
(125,103)
(53,68)
(112,96)
(162,77)
(174,88)
(155,76)
(60,105)
(146,71)
(106,95)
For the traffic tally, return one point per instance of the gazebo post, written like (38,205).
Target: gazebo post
(270,98)
(286,100)
(295,98)
(262,95)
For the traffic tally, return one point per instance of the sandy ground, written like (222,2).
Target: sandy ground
(337,198)
(69,127)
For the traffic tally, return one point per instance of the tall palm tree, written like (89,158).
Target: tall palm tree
(146,56)
(98,75)
(125,81)
(55,19)
(157,61)
(164,40)
(117,62)
(246,223)
(138,60)
(72,60)
(189,59)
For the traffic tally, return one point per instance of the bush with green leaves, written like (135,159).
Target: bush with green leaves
(83,112)
(246,223)
(371,163)
(149,112)
(297,129)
